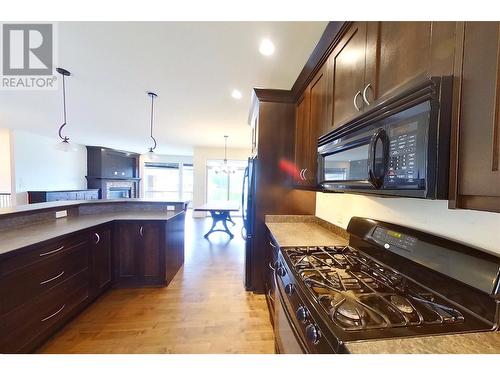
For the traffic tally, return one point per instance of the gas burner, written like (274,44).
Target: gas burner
(350,310)
(402,304)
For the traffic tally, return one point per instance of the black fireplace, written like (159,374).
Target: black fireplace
(115,173)
(119,192)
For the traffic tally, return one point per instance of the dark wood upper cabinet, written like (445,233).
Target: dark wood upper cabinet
(398,52)
(475,182)
(347,64)
(311,122)
(372,60)
(302,136)
(320,94)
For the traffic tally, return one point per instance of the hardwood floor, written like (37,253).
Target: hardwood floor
(205,309)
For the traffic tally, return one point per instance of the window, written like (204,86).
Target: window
(187,183)
(222,187)
(162,181)
(168,181)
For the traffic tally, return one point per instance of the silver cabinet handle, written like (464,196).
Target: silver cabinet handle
(52,278)
(97,238)
(54,314)
(364,94)
(354,101)
(271,266)
(52,251)
(269,295)
(270,243)
(141,231)
(304,174)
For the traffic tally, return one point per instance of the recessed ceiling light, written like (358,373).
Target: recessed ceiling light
(266,47)
(236,94)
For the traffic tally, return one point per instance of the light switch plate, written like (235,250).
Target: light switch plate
(170,208)
(62,213)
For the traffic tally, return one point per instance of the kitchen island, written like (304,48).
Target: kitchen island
(52,268)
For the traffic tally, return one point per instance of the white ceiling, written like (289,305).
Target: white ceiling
(193,66)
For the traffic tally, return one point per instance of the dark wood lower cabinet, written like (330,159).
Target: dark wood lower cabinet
(272,256)
(101,257)
(174,256)
(140,253)
(43,286)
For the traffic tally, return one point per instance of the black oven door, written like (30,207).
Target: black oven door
(288,340)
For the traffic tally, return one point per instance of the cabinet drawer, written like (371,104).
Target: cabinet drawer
(24,328)
(27,283)
(37,253)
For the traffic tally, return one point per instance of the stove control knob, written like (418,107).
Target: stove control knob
(281,271)
(302,314)
(313,334)
(289,288)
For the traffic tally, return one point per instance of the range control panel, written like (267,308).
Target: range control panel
(388,238)
(403,168)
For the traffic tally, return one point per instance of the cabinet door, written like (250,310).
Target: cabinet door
(478,179)
(101,260)
(302,136)
(150,252)
(399,52)
(174,251)
(272,258)
(319,94)
(396,53)
(126,255)
(347,64)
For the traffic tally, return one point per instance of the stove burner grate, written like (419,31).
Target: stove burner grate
(359,293)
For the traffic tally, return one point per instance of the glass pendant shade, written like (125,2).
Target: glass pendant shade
(225,168)
(65,146)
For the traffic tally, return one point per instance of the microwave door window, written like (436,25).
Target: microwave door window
(348,165)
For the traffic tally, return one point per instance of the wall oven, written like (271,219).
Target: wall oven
(398,148)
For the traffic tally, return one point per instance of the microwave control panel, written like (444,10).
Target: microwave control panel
(403,164)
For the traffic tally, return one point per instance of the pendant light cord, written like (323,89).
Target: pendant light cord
(152,114)
(64,138)
(225,149)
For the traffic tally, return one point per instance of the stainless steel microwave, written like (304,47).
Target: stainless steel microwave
(398,148)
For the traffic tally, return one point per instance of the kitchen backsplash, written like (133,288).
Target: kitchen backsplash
(479,229)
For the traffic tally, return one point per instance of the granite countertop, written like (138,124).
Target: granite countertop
(307,230)
(467,343)
(26,235)
(26,208)
(301,231)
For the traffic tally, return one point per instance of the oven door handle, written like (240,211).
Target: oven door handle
(378,180)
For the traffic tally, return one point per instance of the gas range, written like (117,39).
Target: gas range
(358,293)
(390,281)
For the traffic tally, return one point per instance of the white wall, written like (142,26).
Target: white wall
(476,228)
(200,157)
(5,176)
(38,165)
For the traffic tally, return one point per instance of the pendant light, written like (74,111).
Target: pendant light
(64,145)
(225,168)
(151,149)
